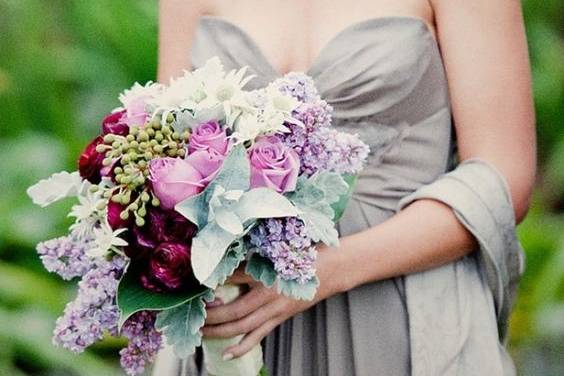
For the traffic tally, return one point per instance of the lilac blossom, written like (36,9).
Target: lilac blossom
(334,151)
(94,310)
(144,342)
(66,256)
(286,243)
(299,86)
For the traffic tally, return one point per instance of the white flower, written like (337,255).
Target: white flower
(226,90)
(105,239)
(57,186)
(182,93)
(247,127)
(148,92)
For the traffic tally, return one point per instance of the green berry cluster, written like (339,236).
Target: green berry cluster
(134,152)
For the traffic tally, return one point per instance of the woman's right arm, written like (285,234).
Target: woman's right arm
(177,25)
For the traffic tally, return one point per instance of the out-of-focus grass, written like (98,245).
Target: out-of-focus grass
(62,62)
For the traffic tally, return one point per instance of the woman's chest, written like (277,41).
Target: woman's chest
(291,34)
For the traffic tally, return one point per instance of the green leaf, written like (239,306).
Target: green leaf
(264,203)
(181,325)
(332,184)
(234,174)
(320,226)
(227,265)
(132,297)
(314,198)
(340,205)
(305,291)
(208,248)
(261,269)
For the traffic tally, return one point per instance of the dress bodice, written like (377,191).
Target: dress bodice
(385,80)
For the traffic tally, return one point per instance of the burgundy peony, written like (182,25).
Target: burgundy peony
(169,268)
(170,226)
(113,215)
(161,226)
(209,137)
(115,123)
(273,165)
(90,162)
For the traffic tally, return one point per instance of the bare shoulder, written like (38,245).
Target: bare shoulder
(177,25)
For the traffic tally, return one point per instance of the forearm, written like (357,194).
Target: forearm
(424,235)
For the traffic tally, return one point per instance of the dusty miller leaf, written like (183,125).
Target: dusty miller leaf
(261,269)
(181,325)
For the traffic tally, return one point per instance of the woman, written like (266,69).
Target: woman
(424,277)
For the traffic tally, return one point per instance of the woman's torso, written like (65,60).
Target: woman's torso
(382,72)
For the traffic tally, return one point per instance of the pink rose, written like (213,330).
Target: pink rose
(209,136)
(206,162)
(173,180)
(273,165)
(136,113)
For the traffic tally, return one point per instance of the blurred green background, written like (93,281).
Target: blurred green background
(62,64)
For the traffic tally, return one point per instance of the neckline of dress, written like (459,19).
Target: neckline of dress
(276,73)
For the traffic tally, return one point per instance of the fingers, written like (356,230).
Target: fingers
(250,340)
(239,277)
(240,307)
(242,326)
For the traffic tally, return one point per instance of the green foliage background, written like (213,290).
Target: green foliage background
(62,62)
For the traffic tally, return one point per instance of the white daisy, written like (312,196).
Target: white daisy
(106,239)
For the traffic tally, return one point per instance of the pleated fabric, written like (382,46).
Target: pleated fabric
(385,79)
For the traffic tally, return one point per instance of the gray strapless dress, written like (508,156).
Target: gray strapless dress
(385,79)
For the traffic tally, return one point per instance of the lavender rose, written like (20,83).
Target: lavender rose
(273,165)
(115,123)
(210,137)
(206,162)
(174,180)
(169,268)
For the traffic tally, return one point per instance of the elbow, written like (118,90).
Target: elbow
(521,188)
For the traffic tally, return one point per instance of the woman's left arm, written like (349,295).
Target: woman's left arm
(484,50)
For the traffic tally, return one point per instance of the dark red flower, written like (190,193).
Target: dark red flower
(114,219)
(161,226)
(170,226)
(115,123)
(169,268)
(90,161)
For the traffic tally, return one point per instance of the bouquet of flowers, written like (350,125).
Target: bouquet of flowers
(185,183)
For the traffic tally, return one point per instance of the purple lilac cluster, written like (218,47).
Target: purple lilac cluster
(144,342)
(319,146)
(299,86)
(331,150)
(286,243)
(94,310)
(66,256)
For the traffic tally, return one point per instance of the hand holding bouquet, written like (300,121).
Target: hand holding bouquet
(185,183)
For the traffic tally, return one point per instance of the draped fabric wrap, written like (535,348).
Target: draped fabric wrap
(454,309)
(385,79)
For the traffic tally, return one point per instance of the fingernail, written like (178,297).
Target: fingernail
(214,303)
(227,356)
